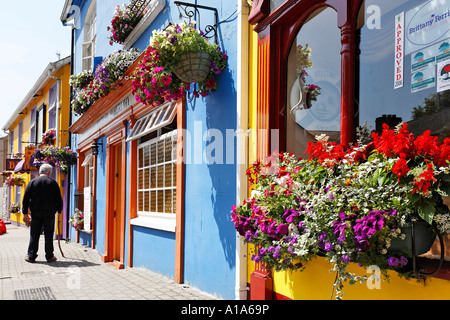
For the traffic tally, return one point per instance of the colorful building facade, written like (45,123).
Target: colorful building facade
(157,181)
(42,119)
(352,49)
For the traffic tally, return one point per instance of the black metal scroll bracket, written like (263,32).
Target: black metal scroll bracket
(420,274)
(210,31)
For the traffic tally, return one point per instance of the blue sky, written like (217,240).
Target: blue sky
(31,34)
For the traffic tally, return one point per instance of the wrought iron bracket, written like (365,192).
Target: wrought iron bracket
(190,10)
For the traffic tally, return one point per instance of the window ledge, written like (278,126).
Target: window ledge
(156,221)
(154,8)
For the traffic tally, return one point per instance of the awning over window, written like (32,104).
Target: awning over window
(24,166)
(87,160)
(154,120)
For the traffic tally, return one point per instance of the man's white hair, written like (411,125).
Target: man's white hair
(45,169)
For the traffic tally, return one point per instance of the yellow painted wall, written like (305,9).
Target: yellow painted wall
(252,116)
(64,74)
(315,282)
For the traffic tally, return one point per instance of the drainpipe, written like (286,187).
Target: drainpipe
(241,289)
(73,27)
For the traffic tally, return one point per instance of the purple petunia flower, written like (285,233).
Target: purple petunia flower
(393,261)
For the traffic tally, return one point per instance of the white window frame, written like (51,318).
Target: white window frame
(88,165)
(90,37)
(20,137)
(155,121)
(32,138)
(52,106)
(156,219)
(40,122)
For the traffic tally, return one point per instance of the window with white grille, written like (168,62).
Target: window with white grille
(52,106)
(157,170)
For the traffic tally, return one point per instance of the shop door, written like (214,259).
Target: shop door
(117,205)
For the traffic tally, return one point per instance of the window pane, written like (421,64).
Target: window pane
(141,158)
(169,148)
(174,200)
(160,151)
(141,180)
(314,82)
(174,175)
(146,183)
(153,201)
(146,156)
(153,177)
(160,201)
(147,201)
(168,201)
(404,78)
(160,177)
(168,175)
(141,201)
(153,154)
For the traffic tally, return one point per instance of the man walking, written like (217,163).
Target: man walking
(43,198)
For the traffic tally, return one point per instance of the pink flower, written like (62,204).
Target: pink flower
(166,80)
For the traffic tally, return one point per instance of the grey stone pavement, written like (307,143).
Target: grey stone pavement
(79,275)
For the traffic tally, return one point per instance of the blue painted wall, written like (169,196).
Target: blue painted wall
(154,250)
(100,202)
(210,187)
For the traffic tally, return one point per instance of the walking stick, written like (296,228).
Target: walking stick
(59,235)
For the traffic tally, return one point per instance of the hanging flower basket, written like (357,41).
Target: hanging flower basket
(177,57)
(193,67)
(17,180)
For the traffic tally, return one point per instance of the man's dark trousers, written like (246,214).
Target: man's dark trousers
(48,222)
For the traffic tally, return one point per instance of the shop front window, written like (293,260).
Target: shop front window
(314,82)
(156,134)
(404,65)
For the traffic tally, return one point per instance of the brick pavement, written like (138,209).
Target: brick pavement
(80,275)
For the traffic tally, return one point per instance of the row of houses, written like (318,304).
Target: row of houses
(156,181)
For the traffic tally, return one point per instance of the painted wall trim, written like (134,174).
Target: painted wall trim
(181,180)
(242,105)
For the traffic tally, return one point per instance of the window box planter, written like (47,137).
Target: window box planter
(154,7)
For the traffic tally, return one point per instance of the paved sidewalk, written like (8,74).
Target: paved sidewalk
(80,275)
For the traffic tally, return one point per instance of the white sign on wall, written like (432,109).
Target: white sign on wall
(87,209)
